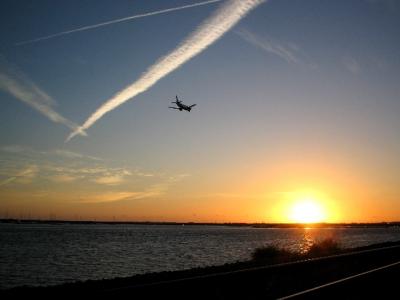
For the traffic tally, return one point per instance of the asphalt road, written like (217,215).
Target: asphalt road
(378,283)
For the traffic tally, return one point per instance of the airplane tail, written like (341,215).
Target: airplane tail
(177,100)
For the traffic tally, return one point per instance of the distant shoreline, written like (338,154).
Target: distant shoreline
(253,225)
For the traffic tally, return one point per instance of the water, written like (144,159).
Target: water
(44,254)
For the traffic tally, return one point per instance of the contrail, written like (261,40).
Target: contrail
(115,21)
(206,34)
(22,88)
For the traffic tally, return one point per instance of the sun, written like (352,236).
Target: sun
(307,210)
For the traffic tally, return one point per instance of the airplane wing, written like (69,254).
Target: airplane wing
(173,107)
(192,105)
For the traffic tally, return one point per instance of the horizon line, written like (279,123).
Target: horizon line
(16,220)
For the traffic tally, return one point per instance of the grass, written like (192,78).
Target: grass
(274,254)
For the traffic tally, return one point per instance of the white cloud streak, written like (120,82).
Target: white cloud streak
(227,16)
(17,84)
(286,52)
(163,11)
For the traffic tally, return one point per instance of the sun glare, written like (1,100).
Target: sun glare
(307,211)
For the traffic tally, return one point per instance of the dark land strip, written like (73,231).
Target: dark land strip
(253,225)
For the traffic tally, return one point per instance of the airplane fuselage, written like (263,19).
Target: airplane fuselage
(182,106)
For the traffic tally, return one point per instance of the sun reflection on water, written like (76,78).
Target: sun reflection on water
(306,241)
(309,236)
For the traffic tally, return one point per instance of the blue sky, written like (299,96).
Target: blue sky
(295,84)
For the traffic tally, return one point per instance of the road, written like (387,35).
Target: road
(378,283)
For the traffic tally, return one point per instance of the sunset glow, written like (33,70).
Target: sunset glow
(286,127)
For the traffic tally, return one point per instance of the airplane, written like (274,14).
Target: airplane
(181,106)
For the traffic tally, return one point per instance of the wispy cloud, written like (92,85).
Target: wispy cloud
(97,174)
(286,51)
(63,178)
(24,176)
(83,28)
(351,65)
(13,148)
(17,84)
(154,190)
(116,196)
(71,154)
(53,172)
(113,176)
(227,16)
(61,153)
(109,180)
(57,165)
(143,174)
(158,187)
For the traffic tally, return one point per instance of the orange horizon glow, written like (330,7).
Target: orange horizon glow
(263,198)
(302,207)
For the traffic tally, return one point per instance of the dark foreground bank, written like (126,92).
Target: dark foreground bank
(254,279)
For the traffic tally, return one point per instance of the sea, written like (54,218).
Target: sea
(49,254)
